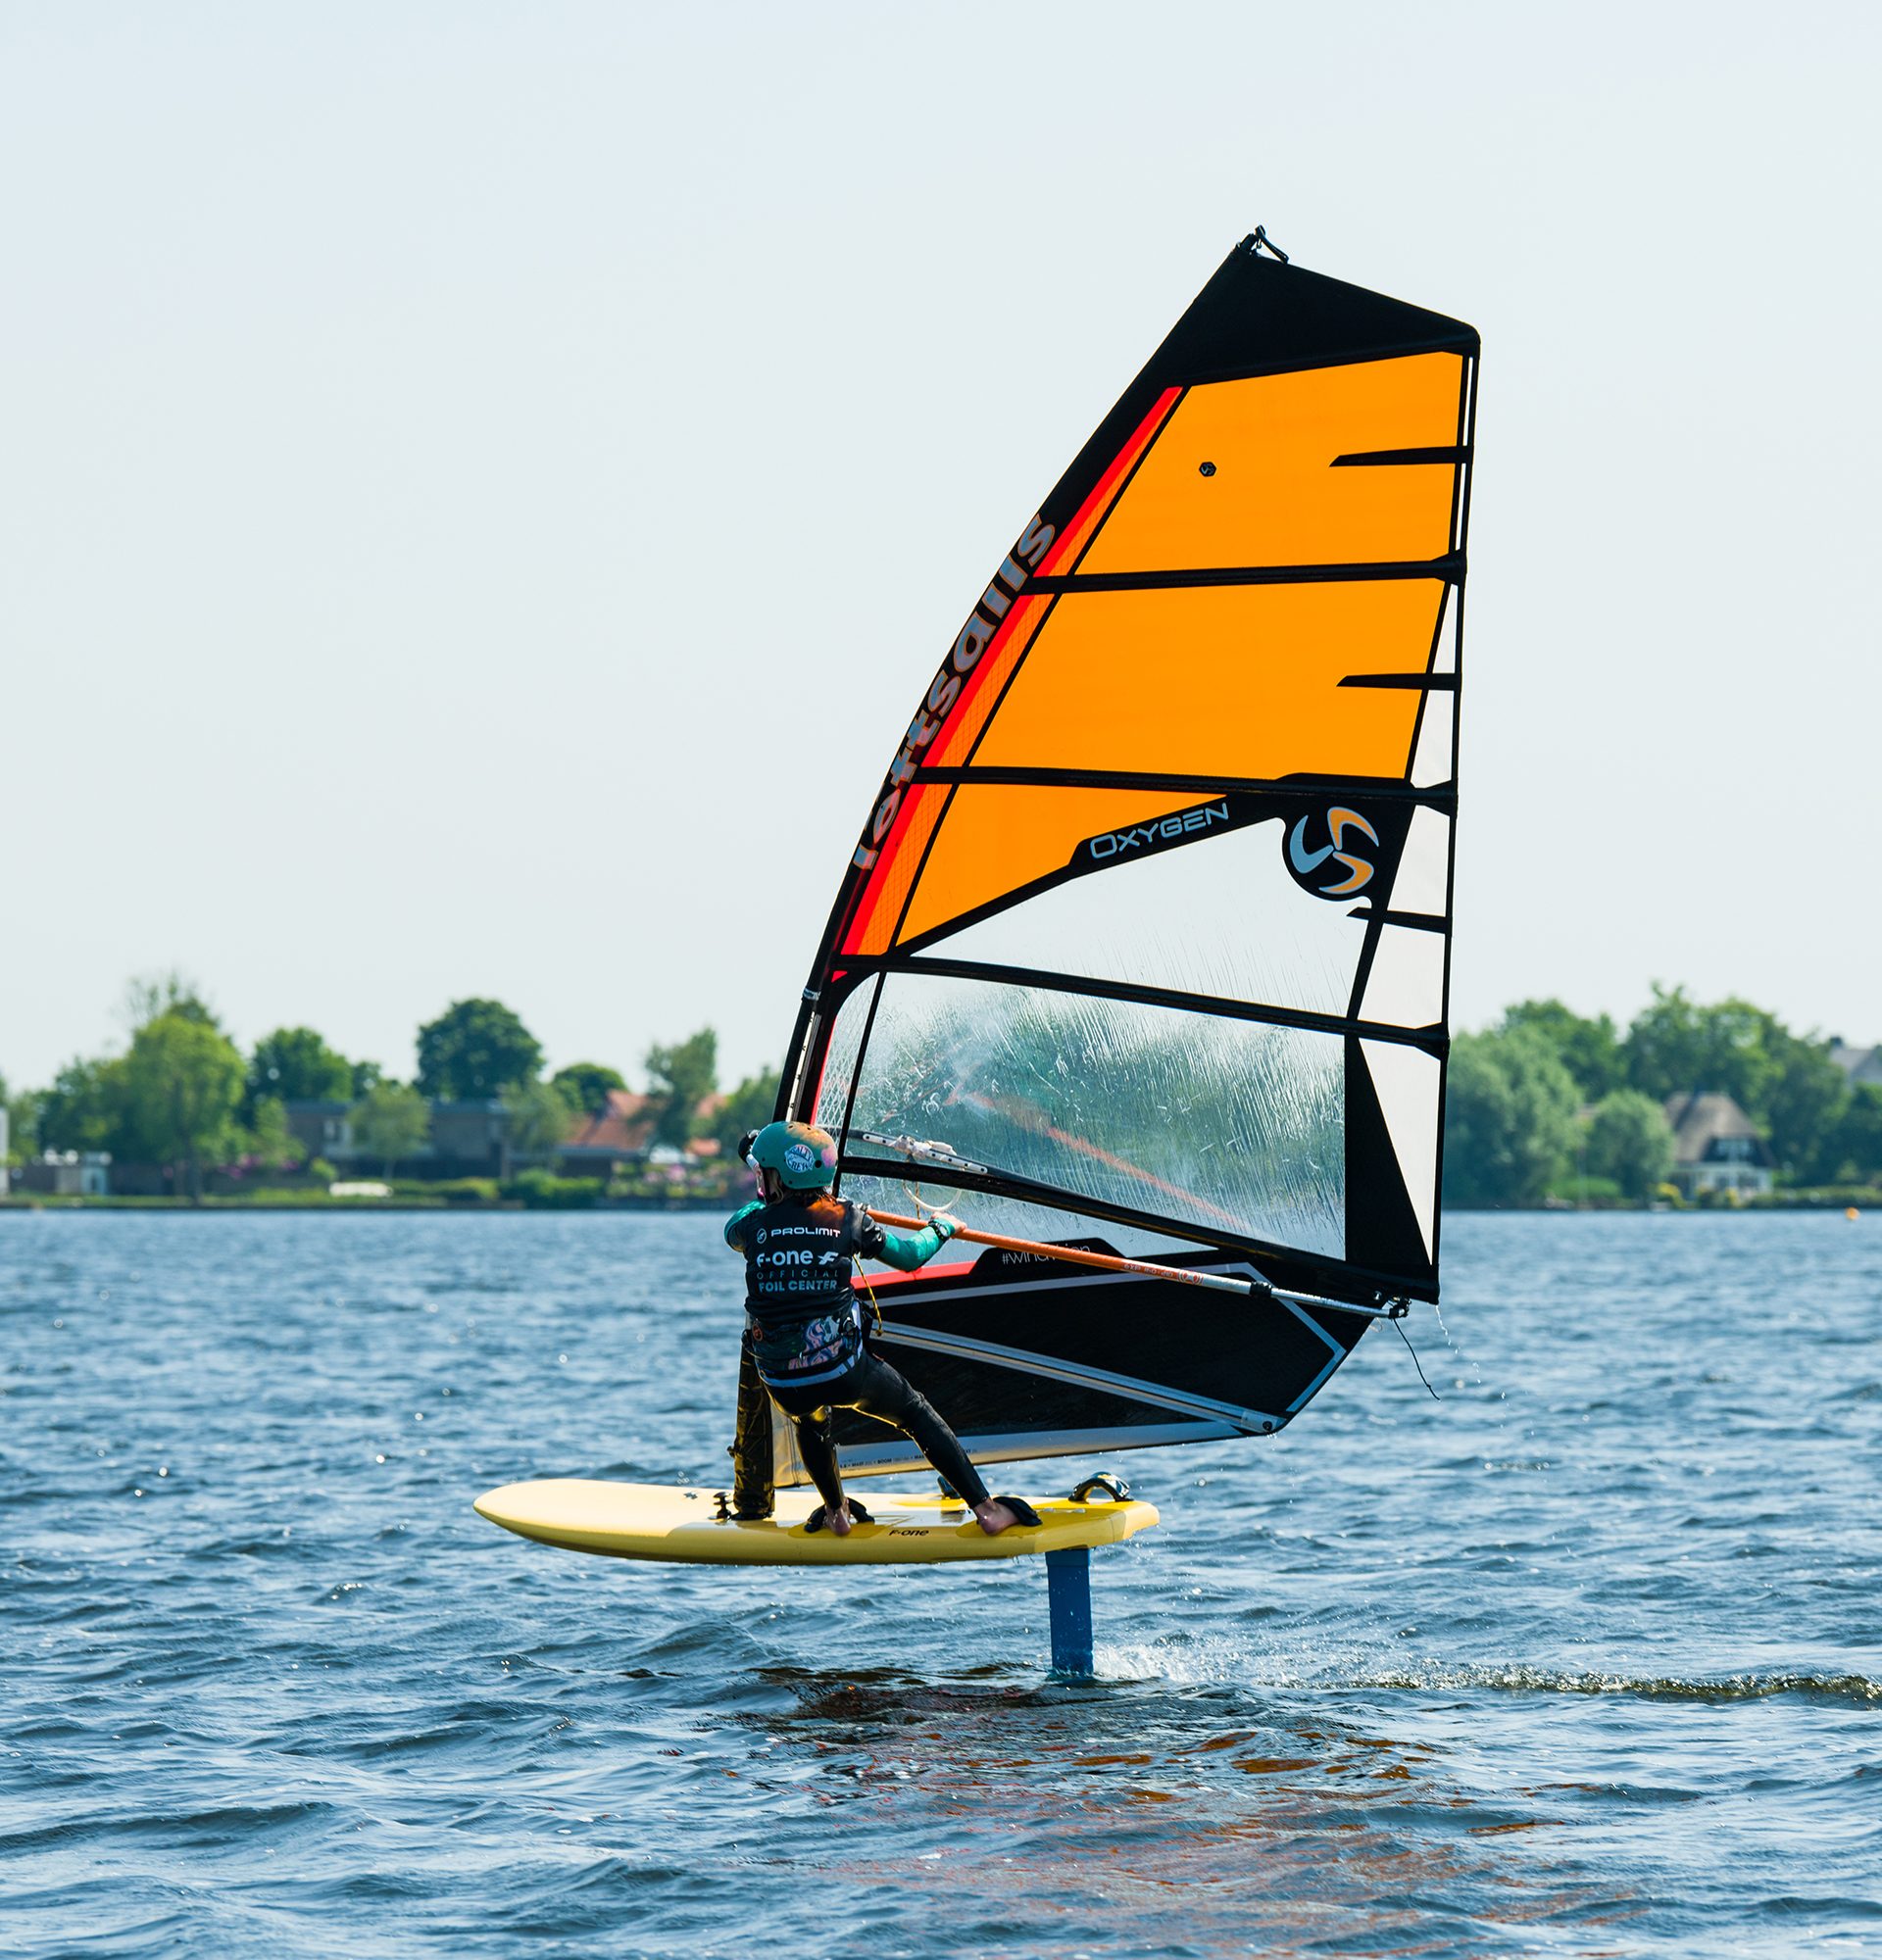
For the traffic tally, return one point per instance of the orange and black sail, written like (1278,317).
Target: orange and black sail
(1146,937)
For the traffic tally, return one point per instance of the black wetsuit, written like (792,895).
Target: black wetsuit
(804,1345)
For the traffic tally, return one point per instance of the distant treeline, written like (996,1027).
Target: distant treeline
(1553,1103)
(185,1095)
(1547,1103)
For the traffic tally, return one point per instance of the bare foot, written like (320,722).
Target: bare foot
(840,1519)
(994,1517)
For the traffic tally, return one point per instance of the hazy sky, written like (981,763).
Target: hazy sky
(482,487)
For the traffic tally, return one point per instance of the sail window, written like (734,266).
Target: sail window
(1194,1118)
(1011,1217)
(1217,915)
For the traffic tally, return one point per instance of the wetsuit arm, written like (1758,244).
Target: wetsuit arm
(735,1225)
(904,1250)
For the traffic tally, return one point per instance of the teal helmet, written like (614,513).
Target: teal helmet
(803,1156)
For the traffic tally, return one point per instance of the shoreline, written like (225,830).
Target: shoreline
(45,1201)
(1856,1200)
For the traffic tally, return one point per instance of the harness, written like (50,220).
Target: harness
(805,1320)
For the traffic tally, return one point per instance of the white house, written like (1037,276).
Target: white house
(69,1174)
(1860,1064)
(1717,1147)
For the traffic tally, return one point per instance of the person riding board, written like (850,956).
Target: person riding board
(805,1346)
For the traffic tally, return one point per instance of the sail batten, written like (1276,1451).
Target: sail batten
(1154,779)
(1450,568)
(1428,1033)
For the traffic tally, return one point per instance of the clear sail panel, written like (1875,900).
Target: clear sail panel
(1215,1122)
(983,1212)
(1217,916)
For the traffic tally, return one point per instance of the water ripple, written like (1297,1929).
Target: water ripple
(1579,1661)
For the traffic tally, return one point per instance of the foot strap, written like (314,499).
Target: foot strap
(818,1520)
(1020,1510)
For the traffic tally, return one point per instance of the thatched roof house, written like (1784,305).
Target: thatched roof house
(1717,1147)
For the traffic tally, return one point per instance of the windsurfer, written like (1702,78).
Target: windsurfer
(804,1345)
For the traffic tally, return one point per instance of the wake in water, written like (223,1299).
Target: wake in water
(1215,1660)
(1856,1690)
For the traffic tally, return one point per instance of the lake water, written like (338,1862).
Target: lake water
(1579,1660)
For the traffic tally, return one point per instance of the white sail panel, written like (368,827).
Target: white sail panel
(1409,1083)
(1405,985)
(1219,916)
(1435,756)
(1423,881)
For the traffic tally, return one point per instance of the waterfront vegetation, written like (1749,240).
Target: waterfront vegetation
(1553,1106)
(183,1097)
(1547,1106)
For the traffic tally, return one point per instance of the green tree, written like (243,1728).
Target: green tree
(1786,1083)
(1853,1148)
(1630,1141)
(749,1107)
(391,1122)
(83,1109)
(587,1083)
(541,1116)
(367,1076)
(476,1050)
(295,1065)
(268,1137)
(1590,1050)
(1509,1118)
(182,1084)
(152,996)
(1676,1045)
(1804,1106)
(681,1077)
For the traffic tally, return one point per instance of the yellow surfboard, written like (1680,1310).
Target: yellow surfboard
(660,1521)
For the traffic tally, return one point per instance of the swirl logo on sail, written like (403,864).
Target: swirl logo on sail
(1337,869)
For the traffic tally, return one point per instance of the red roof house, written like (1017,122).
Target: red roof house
(624,1133)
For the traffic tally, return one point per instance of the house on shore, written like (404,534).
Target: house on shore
(1717,1147)
(1860,1064)
(473,1140)
(622,1134)
(322,1128)
(67,1174)
(466,1140)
